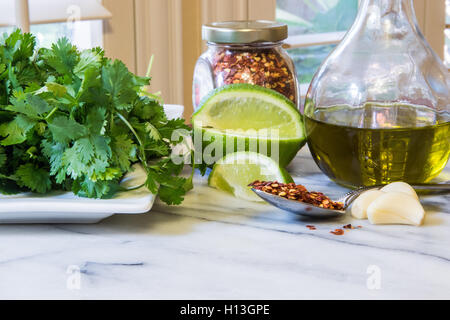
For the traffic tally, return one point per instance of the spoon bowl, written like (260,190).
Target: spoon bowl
(297,207)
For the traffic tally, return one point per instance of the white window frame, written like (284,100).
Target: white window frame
(27,12)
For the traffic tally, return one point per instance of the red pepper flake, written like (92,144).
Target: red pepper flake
(311,227)
(338,232)
(348,226)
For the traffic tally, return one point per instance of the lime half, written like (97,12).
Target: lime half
(244,117)
(234,172)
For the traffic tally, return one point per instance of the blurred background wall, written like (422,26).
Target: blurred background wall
(170,30)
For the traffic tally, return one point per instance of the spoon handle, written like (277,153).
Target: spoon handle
(432,186)
(441,188)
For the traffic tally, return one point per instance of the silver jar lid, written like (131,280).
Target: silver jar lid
(244,31)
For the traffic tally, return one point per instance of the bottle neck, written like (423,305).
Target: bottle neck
(388,6)
(387,16)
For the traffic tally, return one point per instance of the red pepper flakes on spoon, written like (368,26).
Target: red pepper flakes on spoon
(297,192)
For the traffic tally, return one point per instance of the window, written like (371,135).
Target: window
(78,20)
(84,34)
(315,26)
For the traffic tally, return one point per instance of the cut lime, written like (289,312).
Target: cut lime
(234,172)
(244,117)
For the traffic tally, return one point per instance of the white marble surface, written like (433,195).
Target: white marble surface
(216,247)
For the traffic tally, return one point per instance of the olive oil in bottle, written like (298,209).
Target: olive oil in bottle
(378,144)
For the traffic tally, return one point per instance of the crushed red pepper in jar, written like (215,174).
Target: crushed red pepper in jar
(263,67)
(249,52)
(297,192)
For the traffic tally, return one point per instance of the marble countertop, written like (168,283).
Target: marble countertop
(216,247)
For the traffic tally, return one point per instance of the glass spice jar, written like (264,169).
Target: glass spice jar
(245,52)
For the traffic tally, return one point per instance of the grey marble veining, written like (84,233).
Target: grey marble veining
(215,246)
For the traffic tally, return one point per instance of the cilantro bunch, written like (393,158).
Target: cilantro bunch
(78,121)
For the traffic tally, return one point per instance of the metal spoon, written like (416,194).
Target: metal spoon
(309,210)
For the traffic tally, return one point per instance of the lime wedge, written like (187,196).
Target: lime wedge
(246,117)
(234,172)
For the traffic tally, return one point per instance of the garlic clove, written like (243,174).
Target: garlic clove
(360,205)
(400,187)
(396,208)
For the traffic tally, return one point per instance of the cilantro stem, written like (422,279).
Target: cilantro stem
(12,178)
(141,145)
(51,113)
(150,64)
(156,96)
(111,125)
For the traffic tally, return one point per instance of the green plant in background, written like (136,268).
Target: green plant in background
(339,17)
(307,60)
(314,16)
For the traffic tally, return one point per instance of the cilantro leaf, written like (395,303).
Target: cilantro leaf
(28,104)
(18,46)
(85,149)
(65,129)
(54,152)
(57,89)
(87,156)
(149,109)
(95,120)
(63,57)
(30,176)
(97,189)
(16,130)
(73,163)
(172,195)
(88,59)
(172,125)
(118,83)
(124,151)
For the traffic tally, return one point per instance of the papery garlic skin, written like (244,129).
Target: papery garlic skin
(400,187)
(360,205)
(396,208)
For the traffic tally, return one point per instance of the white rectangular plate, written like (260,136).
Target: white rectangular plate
(65,207)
